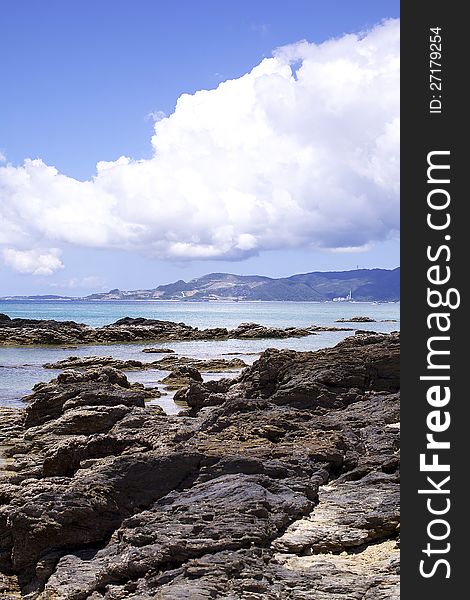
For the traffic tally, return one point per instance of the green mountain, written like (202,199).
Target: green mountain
(364,284)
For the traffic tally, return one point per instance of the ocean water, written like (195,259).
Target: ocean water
(21,367)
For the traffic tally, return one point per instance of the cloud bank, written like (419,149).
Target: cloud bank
(300,152)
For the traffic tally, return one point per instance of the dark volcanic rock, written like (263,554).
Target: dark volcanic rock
(182,376)
(169,363)
(19,332)
(328,378)
(71,389)
(158,350)
(282,484)
(197,394)
(211,365)
(255,331)
(356,320)
(59,513)
(316,328)
(230,512)
(87,362)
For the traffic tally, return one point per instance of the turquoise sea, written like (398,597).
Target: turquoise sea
(21,368)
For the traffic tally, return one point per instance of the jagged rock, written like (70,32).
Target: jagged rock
(11,424)
(63,513)
(158,350)
(228,513)
(327,378)
(31,331)
(169,363)
(181,376)
(240,353)
(370,574)
(197,394)
(318,328)
(356,320)
(87,362)
(245,496)
(255,331)
(349,514)
(211,365)
(95,387)
(149,392)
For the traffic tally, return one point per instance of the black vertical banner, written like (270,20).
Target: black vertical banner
(434,300)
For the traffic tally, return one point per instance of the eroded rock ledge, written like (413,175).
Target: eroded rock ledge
(280,483)
(23,332)
(213,365)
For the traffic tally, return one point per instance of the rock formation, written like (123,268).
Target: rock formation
(213,365)
(280,483)
(24,332)
(356,320)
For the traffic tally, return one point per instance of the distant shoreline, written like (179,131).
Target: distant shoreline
(360,285)
(85,301)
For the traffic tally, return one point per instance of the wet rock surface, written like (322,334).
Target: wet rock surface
(158,350)
(20,332)
(356,320)
(182,376)
(171,362)
(364,320)
(279,483)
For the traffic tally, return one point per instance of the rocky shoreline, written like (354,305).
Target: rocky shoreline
(282,482)
(214,365)
(27,332)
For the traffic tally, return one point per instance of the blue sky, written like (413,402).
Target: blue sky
(83,82)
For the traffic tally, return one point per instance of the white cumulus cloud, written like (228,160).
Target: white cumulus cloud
(34,262)
(300,152)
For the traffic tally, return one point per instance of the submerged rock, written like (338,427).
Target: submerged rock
(280,483)
(356,320)
(158,350)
